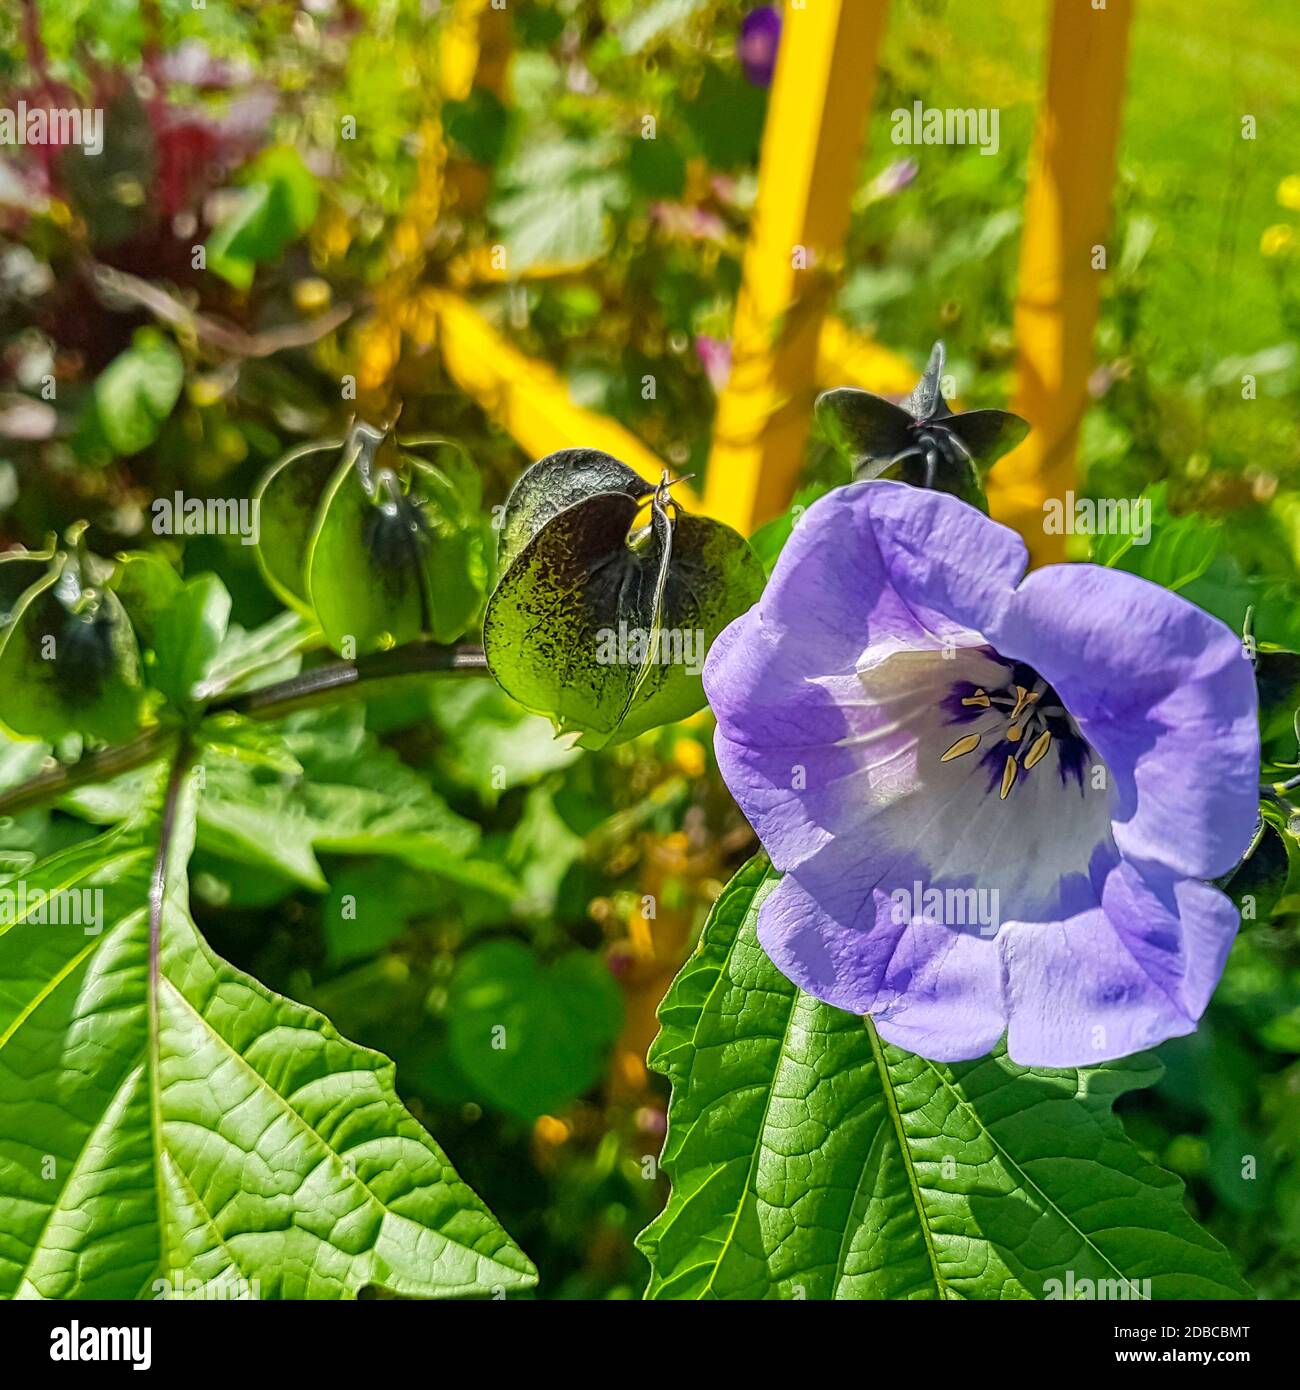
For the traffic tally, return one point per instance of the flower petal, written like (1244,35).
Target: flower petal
(1165,695)
(877,564)
(929,987)
(783,679)
(1137,968)
(863,727)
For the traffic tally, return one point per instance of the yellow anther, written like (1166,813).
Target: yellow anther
(1008,777)
(979,698)
(1023,697)
(1013,733)
(1038,748)
(963,745)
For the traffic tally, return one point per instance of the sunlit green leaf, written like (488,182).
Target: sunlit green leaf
(810,1159)
(278,205)
(352,796)
(532,1037)
(188,636)
(556,207)
(135,393)
(165,1121)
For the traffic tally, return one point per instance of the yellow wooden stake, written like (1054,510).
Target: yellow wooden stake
(846,358)
(1066,217)
(812,145)
(529,399)
(474,49)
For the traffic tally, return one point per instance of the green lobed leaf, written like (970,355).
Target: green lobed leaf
(189,633)
(531,1037)
(260,655)
(30,835)
(810,1159)
(487,742)
(135,393)
(164,1119)
(556,203)
(350,796)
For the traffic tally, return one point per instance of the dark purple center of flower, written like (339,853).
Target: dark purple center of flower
(1021,721)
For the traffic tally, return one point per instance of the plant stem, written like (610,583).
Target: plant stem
(324,683)
(96,767)
(180,767)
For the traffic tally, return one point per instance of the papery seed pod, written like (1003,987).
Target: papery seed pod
(610,594)
(396,531)
(70,661)
(86,648)
(377,536)
(919,440)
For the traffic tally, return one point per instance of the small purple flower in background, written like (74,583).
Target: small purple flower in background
(715,355)
(756,45)
(725,188)
(688,223)
(193,64)
(892,179)
(918,731)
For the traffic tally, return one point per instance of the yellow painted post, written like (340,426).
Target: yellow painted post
(474,49)
(1066,217)
(812,144)
(846,358)
(529,399)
